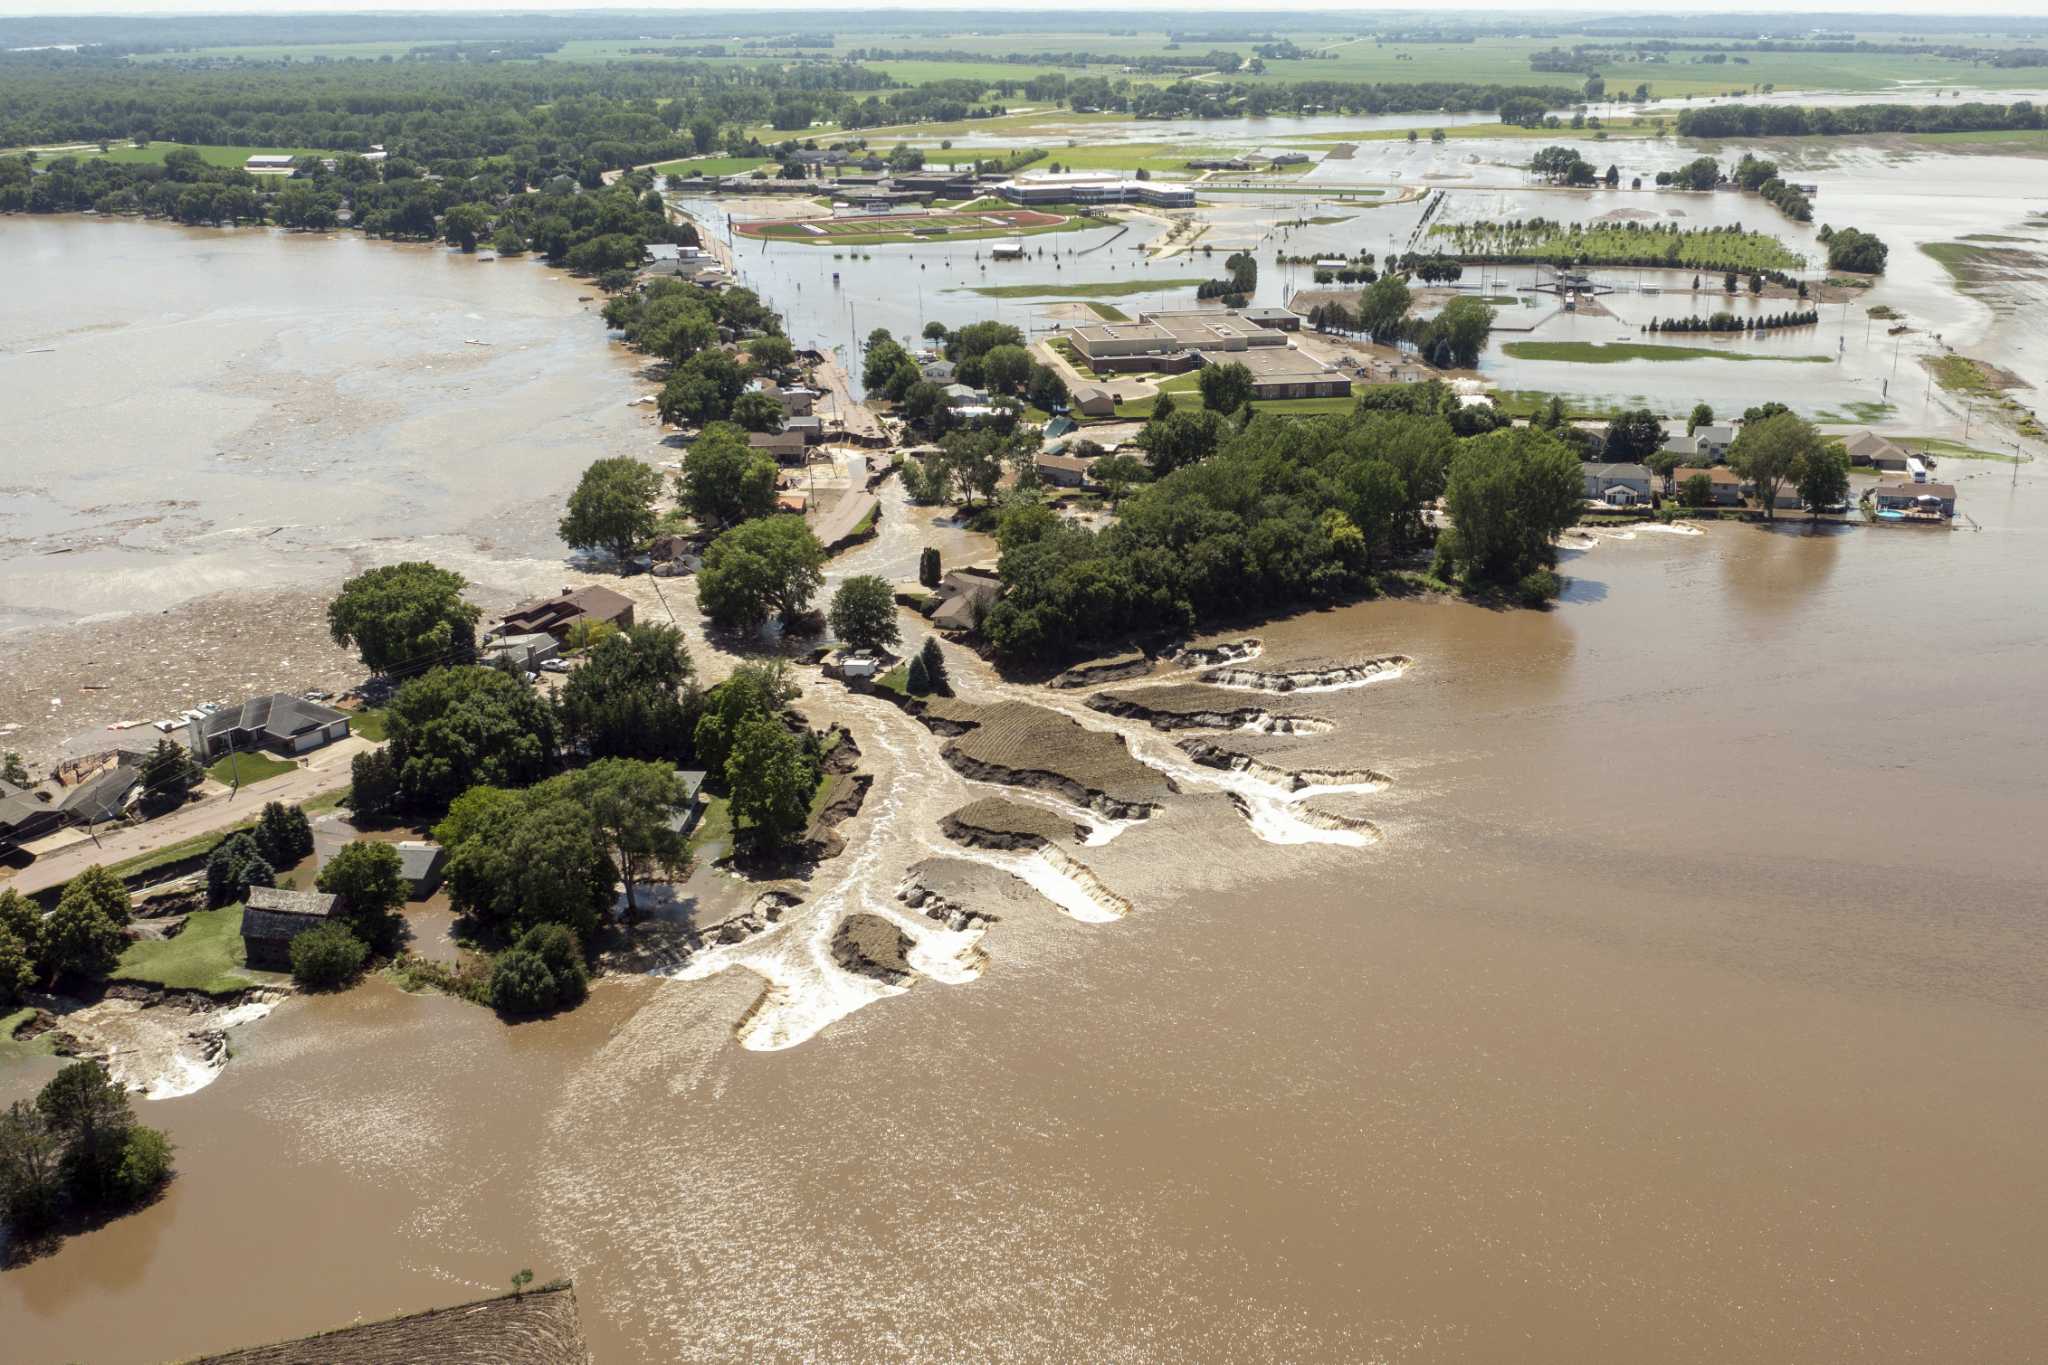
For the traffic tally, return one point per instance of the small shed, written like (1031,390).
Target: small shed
(272,918)
(421,864)
(693,799)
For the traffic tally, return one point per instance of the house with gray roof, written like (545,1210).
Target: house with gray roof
(272,918)
(279,722)
(1618,485)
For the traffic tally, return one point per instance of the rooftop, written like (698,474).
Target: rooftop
(279,715)
(1272,363)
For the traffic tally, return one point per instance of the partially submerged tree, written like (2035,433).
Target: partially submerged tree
(863,613)
(638,809)
(405,618)
(725,481)
(1771,451)
(612,508)
(770,782)
(773,565)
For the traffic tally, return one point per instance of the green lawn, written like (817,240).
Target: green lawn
(1108,312)
(251,767)
(207,956)
(1614,353)
(714,825)
(896,680)
(1666,244)
(1100,290)
(370,723)
(11,1051)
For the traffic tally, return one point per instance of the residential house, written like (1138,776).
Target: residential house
(1067,471)
(963,594)
(812,429)
(1916,497)
(26,815)
(272,918)
(1711,442)
(1727,484)
(938,371)
(1091,400)
(1617,485)
(962,395)
(279,722)
(569,607)
(786,446)
(1869,450)
(422,865)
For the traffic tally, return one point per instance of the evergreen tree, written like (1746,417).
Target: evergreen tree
(934,661)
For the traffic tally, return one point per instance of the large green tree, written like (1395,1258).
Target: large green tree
(637,808)
(168,776)
(1225,387)
(725,481)
(753,691)
(612,508)
(370,878)
(633,697)
(863,613)
(772,565)
(405,618)
(1822,477)
(770,783)
(1633,435)
(1772,451)
(1509,494)
(521,858)
(457,727)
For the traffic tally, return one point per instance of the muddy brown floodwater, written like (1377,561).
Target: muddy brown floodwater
(1686,1003)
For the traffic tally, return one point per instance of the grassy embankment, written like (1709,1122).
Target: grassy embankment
(1614,353)
(206,956)
(12,1051)
(796,234)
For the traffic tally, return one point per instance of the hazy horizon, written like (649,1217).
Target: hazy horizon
(1990,9)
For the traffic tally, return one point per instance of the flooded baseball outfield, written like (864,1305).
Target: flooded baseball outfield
(1657,977)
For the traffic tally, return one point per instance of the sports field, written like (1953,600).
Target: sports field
(903,226)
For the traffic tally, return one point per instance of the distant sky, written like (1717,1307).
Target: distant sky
(2029,8)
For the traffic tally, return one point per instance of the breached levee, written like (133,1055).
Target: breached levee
(1315,678)
(164,1045)
(1153,706)
(1295,781)
(1230,652)
(1279,821)
(994,822)
(1017,744)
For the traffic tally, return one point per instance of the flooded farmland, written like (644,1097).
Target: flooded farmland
(1656,977)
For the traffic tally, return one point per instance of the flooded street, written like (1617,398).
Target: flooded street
(1687,1004)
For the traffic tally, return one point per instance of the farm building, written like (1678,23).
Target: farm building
(272,918)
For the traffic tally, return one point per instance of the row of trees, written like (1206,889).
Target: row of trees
(1790,120)
(81,938)
(1728,322)
(1452,339)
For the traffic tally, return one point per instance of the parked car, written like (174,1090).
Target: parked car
(554,665)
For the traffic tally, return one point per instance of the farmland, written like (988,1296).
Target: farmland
(1540,241)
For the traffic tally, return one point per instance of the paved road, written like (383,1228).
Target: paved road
(324,770)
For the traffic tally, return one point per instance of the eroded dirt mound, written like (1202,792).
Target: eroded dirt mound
(1095,672)
(1021,745)
(873,946)
(1192,706)
(994,822)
